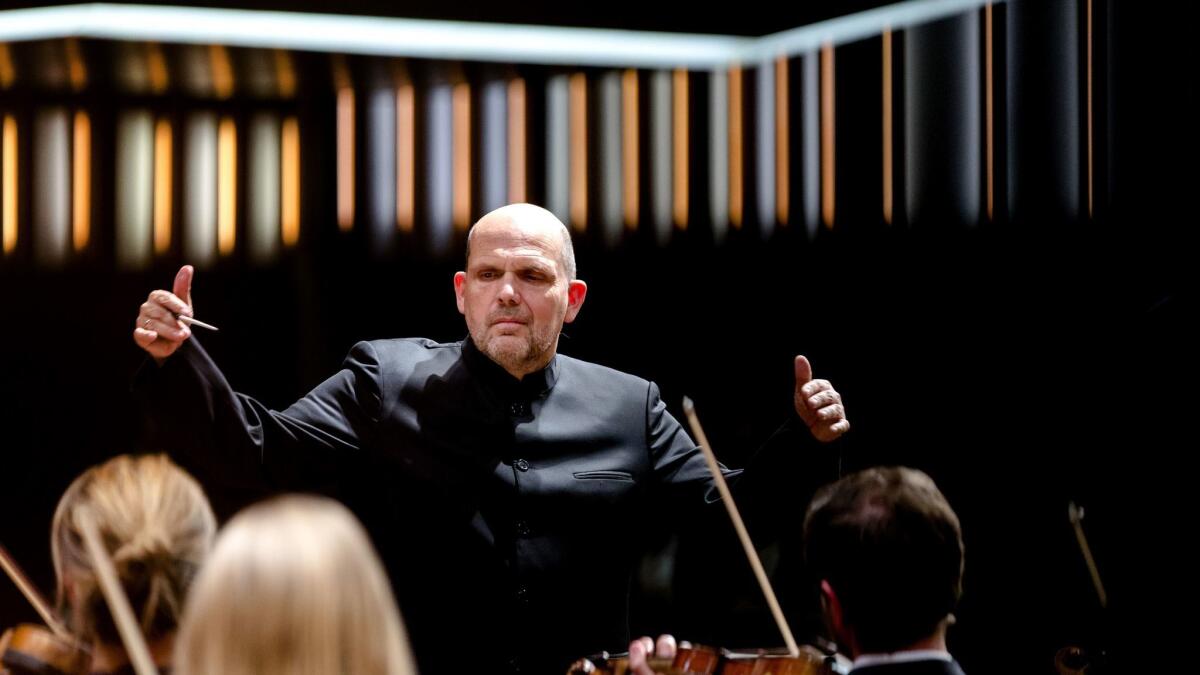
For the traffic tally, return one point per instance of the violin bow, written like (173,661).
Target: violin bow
(1075,514)
(118,604)
(14,572)
(690,410)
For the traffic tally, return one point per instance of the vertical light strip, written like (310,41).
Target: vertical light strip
(942,100)
(783,177)
(827,112)
(135,167)
(199,236)
(629,147)
(132,72)
(558,146)
(263,182)
(661,154)
(462,156)
(439,155)
(1090,150)
(608,120)
(50,186)
(226,186)
(679,102)
(735,146)
(8,161)
(579,157)
(764,146)
(162,186)
(990,136)
(810,146)
(8,172)
(222,71)
(517,191)
(406,154)
(718,147)
(345,158)
(285,73)
(81,182)
(7,73)
(76,69)
(888,199)
(156,68)
(289,166)
(380,176)
(493,142)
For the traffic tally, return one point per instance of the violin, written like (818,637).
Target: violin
(703,660)
(31,649)
(700,660)
(688,659)
(810,661)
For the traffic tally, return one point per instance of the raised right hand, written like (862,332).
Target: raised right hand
(157,329)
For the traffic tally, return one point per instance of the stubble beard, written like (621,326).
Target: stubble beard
(515,353)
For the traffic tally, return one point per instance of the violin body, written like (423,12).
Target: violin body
(700,660)
(30,649)
(808,662)
(688,660)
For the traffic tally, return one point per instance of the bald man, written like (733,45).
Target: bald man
(499,479)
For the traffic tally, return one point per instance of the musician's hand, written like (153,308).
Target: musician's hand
(819,404)
(157,330)
(644,648)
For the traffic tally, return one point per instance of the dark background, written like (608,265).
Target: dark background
(1023,362)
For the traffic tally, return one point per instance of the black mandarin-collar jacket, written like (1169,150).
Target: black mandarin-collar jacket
(507,512)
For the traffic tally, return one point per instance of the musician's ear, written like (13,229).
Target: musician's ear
(831,609)
(830,605)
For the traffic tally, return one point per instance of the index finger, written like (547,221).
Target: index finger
(170,302)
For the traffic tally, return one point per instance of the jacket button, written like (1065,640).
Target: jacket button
(523,594)
(521,464)
(522,528)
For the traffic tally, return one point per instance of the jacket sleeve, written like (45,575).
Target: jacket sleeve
(191,412)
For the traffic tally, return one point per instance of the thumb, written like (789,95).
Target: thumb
(803,371)
(183,284)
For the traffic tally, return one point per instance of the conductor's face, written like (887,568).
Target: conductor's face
(515,292)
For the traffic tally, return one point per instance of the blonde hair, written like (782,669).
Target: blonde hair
(157,527)
(293,586)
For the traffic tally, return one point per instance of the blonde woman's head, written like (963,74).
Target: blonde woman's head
(157,527)
(293,586)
